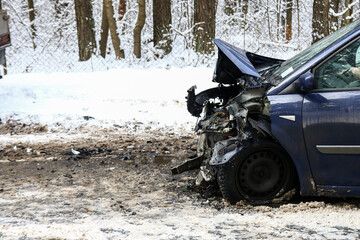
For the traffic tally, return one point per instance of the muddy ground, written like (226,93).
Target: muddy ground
(116,183)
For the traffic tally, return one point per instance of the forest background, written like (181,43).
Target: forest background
(96,35)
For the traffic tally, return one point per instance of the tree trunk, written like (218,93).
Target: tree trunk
(122,9)
(108,23)
(278,19)
(4,64)
(138,28)
(85,29)
(320,22)
(346,18)
(325,17)
(334,20)
(204,30)
(119,53)
(244,6)
(298,18)
(289,15)
(104,35)
(162,25)
(32,19)
(236,6)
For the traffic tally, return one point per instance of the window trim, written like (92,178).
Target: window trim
(334,90)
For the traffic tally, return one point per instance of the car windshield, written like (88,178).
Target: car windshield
(301,58)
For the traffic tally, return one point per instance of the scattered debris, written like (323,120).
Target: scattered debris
(75,152)
(87,118)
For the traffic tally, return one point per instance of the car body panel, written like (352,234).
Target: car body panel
(238,57)
(336,191)
(319,129)
(286,127)
(331,123)
(233,63)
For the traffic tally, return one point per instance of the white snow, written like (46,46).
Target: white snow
(117,96)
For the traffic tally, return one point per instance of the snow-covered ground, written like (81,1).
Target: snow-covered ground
(120,117)
(116,96)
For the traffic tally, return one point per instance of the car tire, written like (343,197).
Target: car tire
(257,174)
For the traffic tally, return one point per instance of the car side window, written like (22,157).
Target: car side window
(340,71)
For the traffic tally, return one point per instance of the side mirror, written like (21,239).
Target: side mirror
(305,82)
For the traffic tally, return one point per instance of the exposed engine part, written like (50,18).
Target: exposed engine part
(206,174)
(196,102)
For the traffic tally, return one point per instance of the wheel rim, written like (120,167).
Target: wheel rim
(262,175)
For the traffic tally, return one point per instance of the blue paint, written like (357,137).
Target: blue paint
(333,118)
(322,117)
(238,57)
(290,135)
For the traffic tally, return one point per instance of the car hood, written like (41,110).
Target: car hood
(234,63)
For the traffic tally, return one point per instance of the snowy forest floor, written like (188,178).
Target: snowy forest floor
(71,179)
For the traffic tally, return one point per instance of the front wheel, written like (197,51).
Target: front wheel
(257,174)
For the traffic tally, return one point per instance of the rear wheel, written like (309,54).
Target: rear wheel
(257,174)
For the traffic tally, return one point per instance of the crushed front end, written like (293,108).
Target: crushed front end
(225,126)
(232,115)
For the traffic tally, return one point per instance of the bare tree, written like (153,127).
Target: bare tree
(61,9)
(32,20)
(85,29)
(347,16)
(204,30)
(61,15)
(233,6)
(244,6)
(330,15)
(341,14)
(4,64)
(279,29)
(320,22)
(122,9)
(229,8)
(162,25)
(108,23)
(334,19)
(104,34)
(138,28)
(289,14)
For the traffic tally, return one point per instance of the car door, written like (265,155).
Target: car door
(331,119)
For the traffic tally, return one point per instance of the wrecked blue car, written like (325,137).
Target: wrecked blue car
(273,128)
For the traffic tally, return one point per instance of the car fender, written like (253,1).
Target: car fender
(287,128)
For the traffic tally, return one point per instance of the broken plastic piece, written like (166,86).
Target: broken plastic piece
(191,164)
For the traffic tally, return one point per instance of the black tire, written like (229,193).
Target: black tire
(257,174)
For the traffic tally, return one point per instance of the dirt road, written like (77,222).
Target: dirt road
(116,184)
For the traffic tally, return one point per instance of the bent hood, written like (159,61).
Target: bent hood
(233,63)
